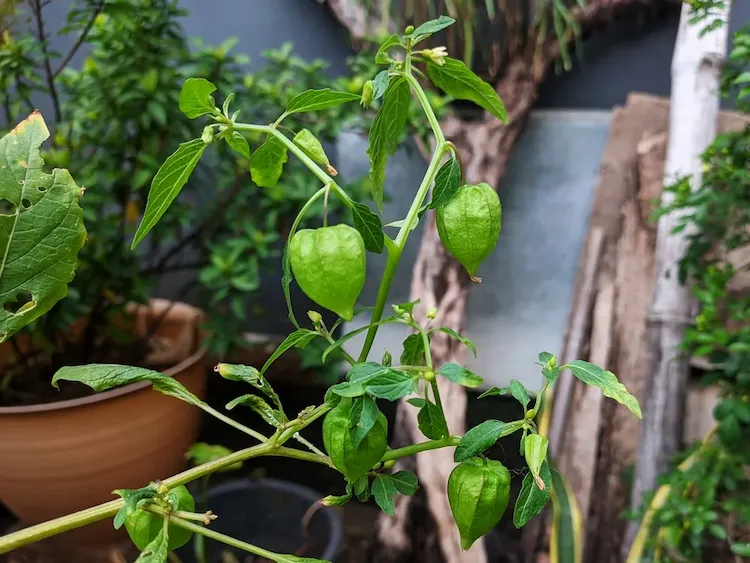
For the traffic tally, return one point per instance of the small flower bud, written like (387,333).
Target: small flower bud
(429,375)
(552,362)
(409,29)
(367,94)
(436,55)
(432,313)
(208,134)
(388,464)
(315,317)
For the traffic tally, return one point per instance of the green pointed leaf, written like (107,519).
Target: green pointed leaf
(383,489)
(392,385)
(592,374)
(550,371)
(41,228)
(361,488)
(532,500)
(416,402)
(405,482)
(311,146)
(238,143)
(362,418)
(167,183)
(267,162)
(385,134)
(483,436)
(298,339)
(369,226)
(131,499)
(268,414)
(447,182)
(462,339)
(380,84)
(432,26)
(101,377)
(157,550)
(432,421)
(314,100)
(383,57)
(461,375)
(251,376)
(286,281)
(406,307)
(195,97)
(357,377)
(458,81)
(413,354)
(200,453)
(387,359)
(519,392)
(535,451)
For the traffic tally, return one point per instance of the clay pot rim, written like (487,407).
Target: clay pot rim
(173,371)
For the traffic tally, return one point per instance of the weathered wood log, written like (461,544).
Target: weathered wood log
(694,110)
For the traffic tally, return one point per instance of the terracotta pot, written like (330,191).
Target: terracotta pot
(62,457)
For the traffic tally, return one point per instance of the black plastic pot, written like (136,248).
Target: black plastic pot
(269,513)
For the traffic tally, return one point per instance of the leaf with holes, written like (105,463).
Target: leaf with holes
(41,228)
(167,183)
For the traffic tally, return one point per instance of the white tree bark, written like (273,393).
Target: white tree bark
(694,110)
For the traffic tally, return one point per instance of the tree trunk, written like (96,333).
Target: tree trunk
(694,109)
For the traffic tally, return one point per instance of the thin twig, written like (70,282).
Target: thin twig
(36,8)
(79,41)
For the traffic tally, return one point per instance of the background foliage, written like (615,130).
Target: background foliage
(117,119)
(706,517)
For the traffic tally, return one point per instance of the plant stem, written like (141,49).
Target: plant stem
(298,152)
(396,250)
(346,355)
(241,427)
(218,536)
(421,447)
(109,509)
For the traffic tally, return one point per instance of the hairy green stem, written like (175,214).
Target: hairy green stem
(109,509)
(421,447)
(241,427)
(229,540)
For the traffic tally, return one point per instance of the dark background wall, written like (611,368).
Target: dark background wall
(634,54)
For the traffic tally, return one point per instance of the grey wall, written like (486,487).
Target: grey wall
(521,306)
